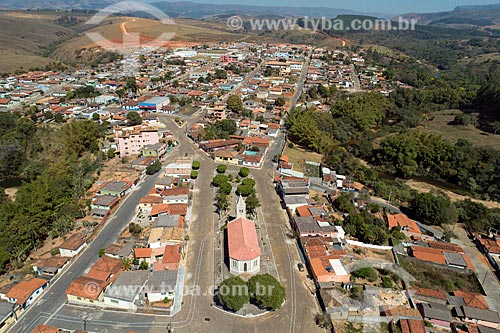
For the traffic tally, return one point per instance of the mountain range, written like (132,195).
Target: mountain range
(461,16)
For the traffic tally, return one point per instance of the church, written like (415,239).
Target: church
(243,243)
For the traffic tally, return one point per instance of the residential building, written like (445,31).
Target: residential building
(131,140)
(25,292)
(156,150)
(7,316)
(126,291)
(51,266)
(116,188)
(161,285)
(481,317)
(79,292)
(72,246)
(407,226)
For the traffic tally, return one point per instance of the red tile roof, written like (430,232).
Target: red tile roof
(24,289)
(86,287)
(151,199)
(45,329)
(243,242)
(427,254)
(412,326)
(472,300)
(402,221)
(431,293)
(143,252)
(172,254)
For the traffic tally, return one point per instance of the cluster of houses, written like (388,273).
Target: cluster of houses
(144,268)
(247,151)
(319,238)
(329,254)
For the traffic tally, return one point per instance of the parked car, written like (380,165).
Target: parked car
(300,266)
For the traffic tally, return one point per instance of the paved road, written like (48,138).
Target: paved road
(485,275)
(197,313)
(55,297)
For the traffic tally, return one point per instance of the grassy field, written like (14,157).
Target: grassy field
(437,123)
(297,156)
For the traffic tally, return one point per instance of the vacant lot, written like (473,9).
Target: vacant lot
(298,156)
(432,277)
(437,123)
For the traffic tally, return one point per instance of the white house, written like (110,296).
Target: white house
(126,291)
(72,246)
(161,285)
(25,292)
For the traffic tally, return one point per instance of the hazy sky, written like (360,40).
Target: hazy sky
(375,6)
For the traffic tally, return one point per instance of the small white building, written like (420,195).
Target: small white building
(127,290)
(161,285)
(72,246)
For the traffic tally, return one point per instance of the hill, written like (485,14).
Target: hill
(186,9)
(475,16)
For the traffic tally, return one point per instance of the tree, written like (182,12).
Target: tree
(153,168)
(102,252)
(134,118)
(280,101)
(233,293)
(96,116)
(220,74)
(245,190)
(126,264)
(244,172)
(435,210)
(196,165)
(135,229)
(111,153)
(144,265)
(221,202)
(266,291)
(225,188)
(221,168)
(249,182)
(252,202)
(194,174)
(234,103)
(218,180)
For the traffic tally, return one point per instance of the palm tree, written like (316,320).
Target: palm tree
(127,264)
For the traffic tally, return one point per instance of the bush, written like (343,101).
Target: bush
(153,168)
(244,172)
(221,168)
(366,273)
(196,165)
(386,282)
(194,174)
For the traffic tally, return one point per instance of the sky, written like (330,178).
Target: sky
(373,6)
